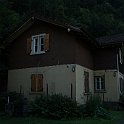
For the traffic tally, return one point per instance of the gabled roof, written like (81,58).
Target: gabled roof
(66,26)
(111,40)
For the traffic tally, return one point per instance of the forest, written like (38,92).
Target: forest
(98,17)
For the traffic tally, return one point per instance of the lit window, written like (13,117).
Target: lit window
(99,83)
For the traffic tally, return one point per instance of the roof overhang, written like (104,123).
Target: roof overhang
(120,44)
(68,27)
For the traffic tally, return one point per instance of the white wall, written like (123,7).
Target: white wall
(81,96)
(111,85)
(58,78)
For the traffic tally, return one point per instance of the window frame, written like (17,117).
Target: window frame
(121,83)
(100,83)
(120,56)
(33,52)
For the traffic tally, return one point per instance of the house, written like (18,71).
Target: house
(48,57)
(109,64)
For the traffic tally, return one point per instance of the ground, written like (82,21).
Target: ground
(117,118)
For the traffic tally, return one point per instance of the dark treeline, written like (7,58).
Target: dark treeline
(100,17)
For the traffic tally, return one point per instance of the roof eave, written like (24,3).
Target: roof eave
(111,45)
(31,21)
(20,30)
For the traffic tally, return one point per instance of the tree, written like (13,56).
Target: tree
(8,21)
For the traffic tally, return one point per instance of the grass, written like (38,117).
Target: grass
(117,116)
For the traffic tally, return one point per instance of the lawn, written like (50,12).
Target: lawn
(117,118)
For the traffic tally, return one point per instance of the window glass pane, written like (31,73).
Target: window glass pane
(97,85)
(97,79)
(41,44)
(36,41)
(35,44)
(42,47)
(102,86)
(35,49)
(41,40)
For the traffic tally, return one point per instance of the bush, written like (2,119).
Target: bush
(95,108)
(15,106)
(3,101)
(55,106)
(92,103)
(121,101)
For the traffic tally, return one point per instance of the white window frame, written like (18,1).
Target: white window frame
(100,83)
(38,44)
(121,81)
(120,56)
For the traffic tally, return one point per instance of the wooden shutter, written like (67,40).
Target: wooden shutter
(40,83)
(33,83)
(29,40)
(36,83)
(46,42)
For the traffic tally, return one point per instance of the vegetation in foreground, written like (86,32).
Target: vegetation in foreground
(56,109)
(117,116)
(54,106)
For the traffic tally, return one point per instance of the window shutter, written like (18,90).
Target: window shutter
(33,83)
(29,40)
(40,83)
(46,42)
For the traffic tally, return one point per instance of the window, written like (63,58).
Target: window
(36,83)
(38,44)
(121,85)
(120,56)
(99,83)
(86,81)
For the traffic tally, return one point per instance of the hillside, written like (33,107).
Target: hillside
(99,17)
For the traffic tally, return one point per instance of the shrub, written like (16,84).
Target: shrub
(55,106)
(102,113)
(3,101)
(95,108)
(121,101)
(92,103)
(15,106)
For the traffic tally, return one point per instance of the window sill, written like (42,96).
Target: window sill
(87,93)
(100,91)
(32,53)
(35,93)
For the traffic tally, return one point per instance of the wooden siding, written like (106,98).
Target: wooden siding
(84,54)
(105,58)
(64,49)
